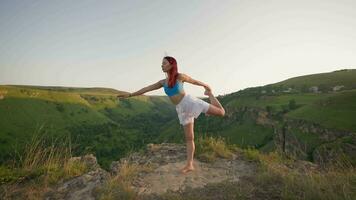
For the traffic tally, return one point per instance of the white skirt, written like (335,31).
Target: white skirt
(189,108)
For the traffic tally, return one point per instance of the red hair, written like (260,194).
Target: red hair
(173,73)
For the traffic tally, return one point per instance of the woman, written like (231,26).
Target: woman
(187,106)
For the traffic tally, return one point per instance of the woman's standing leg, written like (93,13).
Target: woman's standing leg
(189,138)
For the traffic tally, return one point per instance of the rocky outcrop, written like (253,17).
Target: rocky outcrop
(259,115)
(165,160)
(219,178)
(326,134)
(80,187)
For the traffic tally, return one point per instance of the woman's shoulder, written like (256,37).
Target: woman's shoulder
(181,77)
(162,82)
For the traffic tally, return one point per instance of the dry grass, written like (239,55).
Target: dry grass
(210,148)
(119,186)
(334,182)
(42,163)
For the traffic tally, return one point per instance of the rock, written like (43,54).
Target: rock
(79,187)
(89,160)
(167,159)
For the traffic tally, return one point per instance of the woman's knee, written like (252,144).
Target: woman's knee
(214,110)
(222,112)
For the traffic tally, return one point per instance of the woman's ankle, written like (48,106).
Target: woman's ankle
(189,164)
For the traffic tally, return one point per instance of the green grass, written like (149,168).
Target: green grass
(172,132)
(331,110)
(23,92)
(330,79)
(337,111)
(277,101)
(23,116)
(247,134)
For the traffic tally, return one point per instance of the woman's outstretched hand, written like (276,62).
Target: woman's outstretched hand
(121,96)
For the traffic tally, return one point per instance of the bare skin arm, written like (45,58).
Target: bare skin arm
(154,86)
(186,78)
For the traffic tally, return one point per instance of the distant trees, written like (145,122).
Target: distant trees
(126,103)
(304,88)
(323,88)
(292,104)
(269,109)
(285,108)
(60,107)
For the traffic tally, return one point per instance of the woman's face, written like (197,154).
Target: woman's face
(166,66)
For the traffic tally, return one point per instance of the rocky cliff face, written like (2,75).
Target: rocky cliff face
(325,134)
(313,148)
(285,131)
(80,187)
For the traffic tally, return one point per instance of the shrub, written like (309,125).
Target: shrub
(209,148)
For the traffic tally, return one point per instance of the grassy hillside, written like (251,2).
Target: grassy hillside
(334,110)
(345,77)
(95,119)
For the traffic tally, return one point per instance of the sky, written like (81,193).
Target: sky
(229,45)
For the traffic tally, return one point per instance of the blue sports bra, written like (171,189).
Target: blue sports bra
(174,90)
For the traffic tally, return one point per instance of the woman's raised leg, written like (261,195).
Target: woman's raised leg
(215,107)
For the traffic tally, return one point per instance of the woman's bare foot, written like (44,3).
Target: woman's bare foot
(187,169)
(208,92)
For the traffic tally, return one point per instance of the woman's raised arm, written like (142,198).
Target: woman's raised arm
(154,86)
(186,78)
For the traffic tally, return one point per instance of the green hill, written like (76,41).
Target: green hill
(332,109)
(94,118)
(345,77)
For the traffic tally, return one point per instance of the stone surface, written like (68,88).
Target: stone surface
(168,159)
(80,187)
